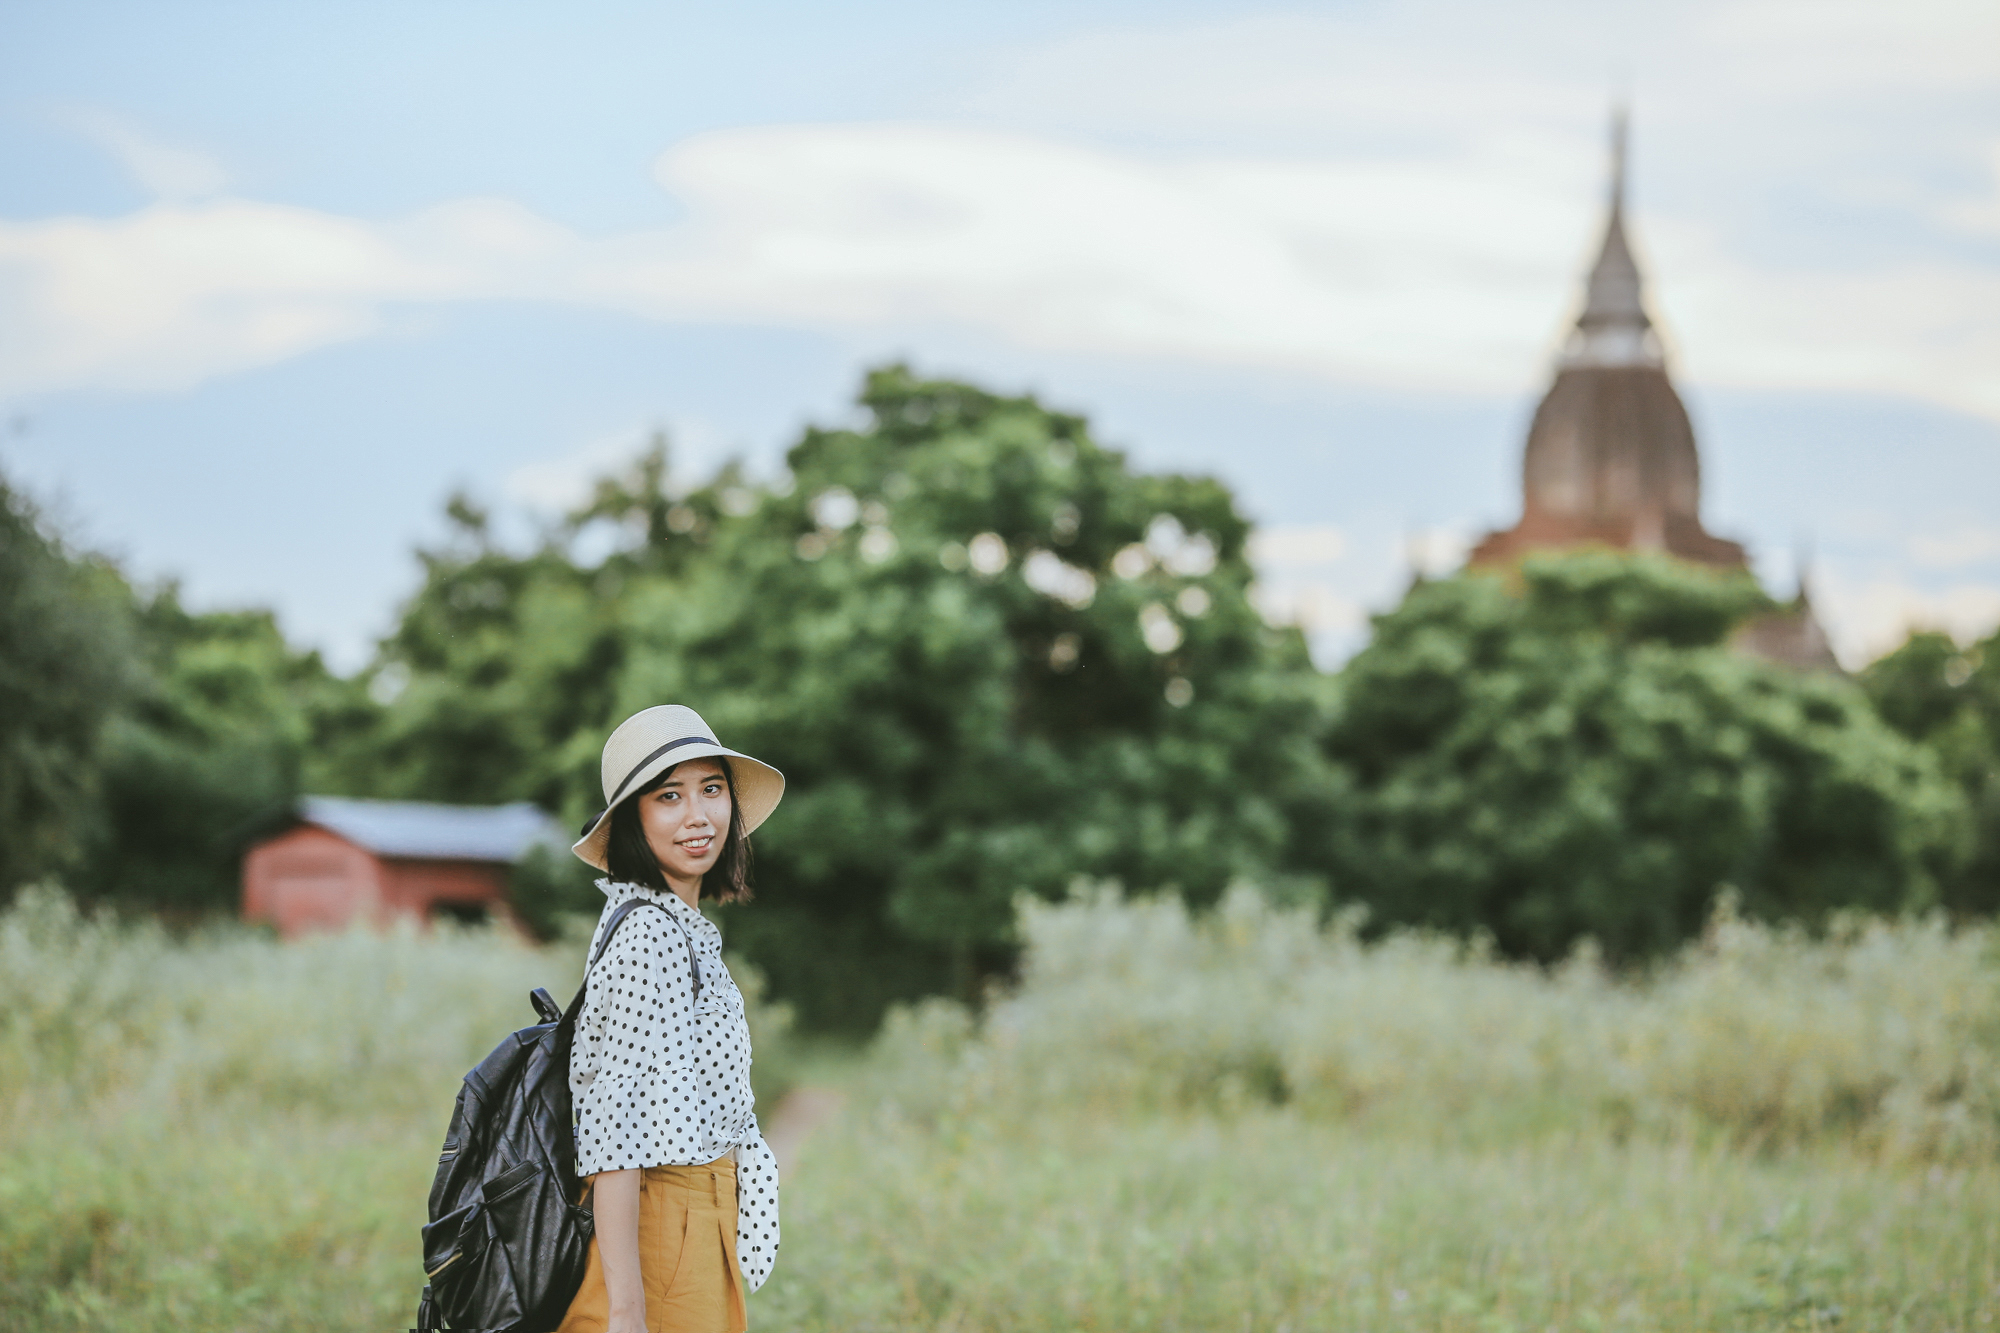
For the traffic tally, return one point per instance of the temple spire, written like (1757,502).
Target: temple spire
(1611,458)
(1620,125)
(1614,329)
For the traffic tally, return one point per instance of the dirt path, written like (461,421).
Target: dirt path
(799,1112)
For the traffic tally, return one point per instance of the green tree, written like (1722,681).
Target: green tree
(989,656)
(1573,753)
(206,753)
(1948,699)
(65,671)
(494,667)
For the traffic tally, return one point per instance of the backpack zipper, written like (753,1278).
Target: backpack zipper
(446,1264)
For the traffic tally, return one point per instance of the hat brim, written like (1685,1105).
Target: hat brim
(758,790)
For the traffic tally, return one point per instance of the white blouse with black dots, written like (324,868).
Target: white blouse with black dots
(658,1078)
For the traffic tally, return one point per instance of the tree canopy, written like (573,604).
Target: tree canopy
(140,743)
(1573,752)
(992,659)
(968,633)
(65,671)
(207,751)
(1947,699)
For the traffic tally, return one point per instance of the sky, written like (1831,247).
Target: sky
(277,280)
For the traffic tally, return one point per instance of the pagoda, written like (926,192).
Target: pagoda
(1611,457)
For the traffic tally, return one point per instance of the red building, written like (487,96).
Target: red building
(350,860)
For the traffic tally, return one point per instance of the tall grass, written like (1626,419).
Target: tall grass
(1881,1034)
(226,1132)
(990,1220)
(1245,1120)
(1238,1120)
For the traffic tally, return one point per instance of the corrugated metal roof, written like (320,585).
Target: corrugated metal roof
(424,829)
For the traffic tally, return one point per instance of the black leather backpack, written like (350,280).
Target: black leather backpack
(509,1237)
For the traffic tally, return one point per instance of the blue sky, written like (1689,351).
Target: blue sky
(274,280)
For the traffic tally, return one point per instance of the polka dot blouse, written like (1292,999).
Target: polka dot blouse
(659,1078)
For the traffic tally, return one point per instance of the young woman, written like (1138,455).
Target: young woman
(684,1189)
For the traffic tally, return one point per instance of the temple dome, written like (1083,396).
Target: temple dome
(1611,455)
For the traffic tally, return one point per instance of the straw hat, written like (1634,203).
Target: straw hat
(653,740)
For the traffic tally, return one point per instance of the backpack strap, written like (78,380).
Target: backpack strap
(618,916)
(694,968)
(611,927)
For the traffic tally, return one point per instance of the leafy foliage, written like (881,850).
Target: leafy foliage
(140,743)
(1576,755)
(206,754)
(967,633)
(1948,699)
(548,885)
(993,658)
(65,670)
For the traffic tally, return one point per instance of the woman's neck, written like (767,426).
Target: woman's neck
(688,891)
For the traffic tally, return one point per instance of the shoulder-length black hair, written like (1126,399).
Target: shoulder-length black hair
(630,860)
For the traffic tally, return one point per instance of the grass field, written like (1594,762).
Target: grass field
(1232,1123)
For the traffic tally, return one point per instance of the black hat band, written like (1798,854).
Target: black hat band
(619,793)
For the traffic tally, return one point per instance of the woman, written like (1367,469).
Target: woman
(684,1189)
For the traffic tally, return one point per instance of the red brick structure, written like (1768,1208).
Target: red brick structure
(345,861)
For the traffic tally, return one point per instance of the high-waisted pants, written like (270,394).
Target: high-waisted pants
(687,1256)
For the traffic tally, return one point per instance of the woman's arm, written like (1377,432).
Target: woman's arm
(614,1200)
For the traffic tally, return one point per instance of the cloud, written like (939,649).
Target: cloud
(1361,269)
(176,294)
(1956,548)
(164,170)
(1305,578)
(1977,216)
(556,485)
(1290,545)
(1327,613)
(1429,273)
(1401,198)
(1916,329)
(1868,617)
(1795,48)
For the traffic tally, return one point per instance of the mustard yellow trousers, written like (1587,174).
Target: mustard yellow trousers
(687,1256)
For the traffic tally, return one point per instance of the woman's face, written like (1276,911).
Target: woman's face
(686,820)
